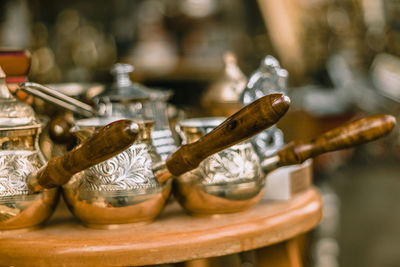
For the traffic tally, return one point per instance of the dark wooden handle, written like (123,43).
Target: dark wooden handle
(104,144)
(352,134)
(247,122)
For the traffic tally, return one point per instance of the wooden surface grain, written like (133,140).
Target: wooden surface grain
(173,237)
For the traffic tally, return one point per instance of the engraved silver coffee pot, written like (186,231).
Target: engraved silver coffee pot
(233,179)
(122,190)
(228,181)
(20,155)
(24,170)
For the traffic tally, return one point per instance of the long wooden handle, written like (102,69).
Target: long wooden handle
(104,144)
(247,122)
(352,134)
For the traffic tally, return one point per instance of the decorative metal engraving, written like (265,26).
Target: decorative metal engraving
(15,166)
(267,79)
(235,164)
(163,142)
(131,169)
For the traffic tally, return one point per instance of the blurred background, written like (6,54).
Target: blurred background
(342,58)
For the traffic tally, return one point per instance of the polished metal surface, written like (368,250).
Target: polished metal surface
(267,79)
(12,112)
(124,99)
(20,208)
(228,181)
(16,166)
(20,156)
(153,106)
(53,96)
(162,136)
(27,211)
(221,98)
(121,190)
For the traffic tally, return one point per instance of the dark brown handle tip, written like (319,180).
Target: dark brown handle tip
(280,104)
(351,134)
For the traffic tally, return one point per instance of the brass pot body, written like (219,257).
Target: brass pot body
(226,182)
(122,190)
(20,156)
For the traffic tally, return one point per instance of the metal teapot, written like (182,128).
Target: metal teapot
(19,156)
(228,181)
(124,99)
(234,179)
(269,78)
(122,190)
(24,169)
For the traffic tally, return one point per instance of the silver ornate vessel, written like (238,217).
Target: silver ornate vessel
(228,181)
(121,190)
(267,79)
(20,156)
(149,104)
(124,99)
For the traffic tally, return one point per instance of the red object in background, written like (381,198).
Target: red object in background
(16,79)
(15,63)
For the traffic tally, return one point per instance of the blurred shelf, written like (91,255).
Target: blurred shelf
(185,69)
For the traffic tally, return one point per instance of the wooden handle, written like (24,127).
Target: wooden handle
(352,134)
(247,122)
(104,144)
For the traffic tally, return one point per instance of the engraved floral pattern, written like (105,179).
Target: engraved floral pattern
(237,163)
(15,166)
(131,169)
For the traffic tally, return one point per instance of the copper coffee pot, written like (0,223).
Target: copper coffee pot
(233,180)
(23,166)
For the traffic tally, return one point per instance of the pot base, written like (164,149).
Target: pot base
(25,212)
(203,200)
(115,210)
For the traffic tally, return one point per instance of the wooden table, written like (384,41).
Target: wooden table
(173,237)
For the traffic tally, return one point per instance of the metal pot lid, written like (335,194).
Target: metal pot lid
(14,113)
(123,89)
(133,93)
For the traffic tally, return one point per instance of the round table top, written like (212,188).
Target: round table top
(173,237)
